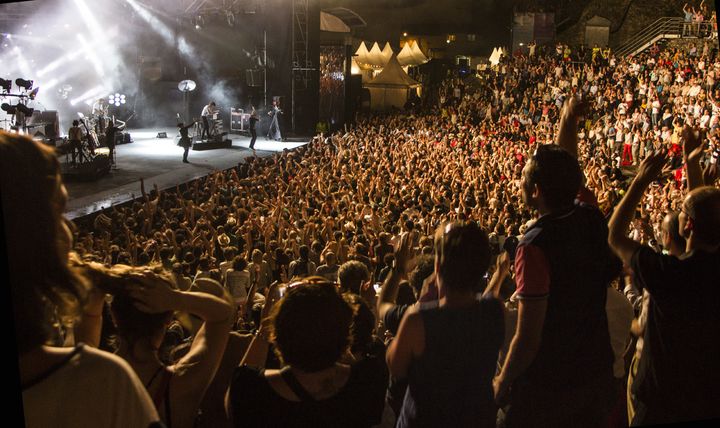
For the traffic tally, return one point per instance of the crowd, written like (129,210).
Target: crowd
(358,260)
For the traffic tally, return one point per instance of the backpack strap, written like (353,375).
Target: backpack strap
(295,385)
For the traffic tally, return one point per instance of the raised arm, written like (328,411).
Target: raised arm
(693,145)
(196,369)
(257,351)
(618,238)
(501,272)
(389,290)
(567,137)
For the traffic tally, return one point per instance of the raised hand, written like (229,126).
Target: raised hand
(693,143)
(651,167)
(404,253)
(152,293)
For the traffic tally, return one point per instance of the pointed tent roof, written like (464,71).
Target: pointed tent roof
(387,52)
(393,77)
(362,56)
(494,57)
(417,54)
(375,57)
(405,55)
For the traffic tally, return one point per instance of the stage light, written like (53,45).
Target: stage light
(64,91)
(117,99)
(33,93)
(7,108)
(26,84)
(5,84)
(22,108)
(405,34)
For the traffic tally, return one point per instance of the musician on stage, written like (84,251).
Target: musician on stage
(253,132)
(185,141)
(207,114)
(110,133)
(274,130)
(75,138)
(100,111)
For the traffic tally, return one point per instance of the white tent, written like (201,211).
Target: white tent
(495,56)
(387,52)
(417,54)
(361,57)
(375,57)
(405,57)
(390,87)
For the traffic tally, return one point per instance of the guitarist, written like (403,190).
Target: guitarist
(100,110)
(110,133)
(91,137)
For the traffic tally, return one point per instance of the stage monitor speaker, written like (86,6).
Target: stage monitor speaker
(91,171)
(253,77)
(162,135)
(48,119)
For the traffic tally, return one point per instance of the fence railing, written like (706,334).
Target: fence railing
(664,29)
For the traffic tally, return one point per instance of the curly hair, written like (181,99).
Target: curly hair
(351,275)
(311,325)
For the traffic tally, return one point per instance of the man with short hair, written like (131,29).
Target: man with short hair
(207,113)
(328,270)
(675,378)
(351,276)
(303,266)
(559,368)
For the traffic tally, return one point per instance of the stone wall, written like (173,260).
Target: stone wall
(640,14)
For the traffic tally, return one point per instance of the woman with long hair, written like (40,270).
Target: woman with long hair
(61,386)
(144,300)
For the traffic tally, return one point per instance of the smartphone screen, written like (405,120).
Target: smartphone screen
(377,286)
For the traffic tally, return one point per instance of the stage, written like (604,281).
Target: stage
(157,161)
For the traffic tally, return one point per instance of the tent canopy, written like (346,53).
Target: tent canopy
(405,55)
(393,77)
(387,53)
(361,57)
(417,54)
(375,57)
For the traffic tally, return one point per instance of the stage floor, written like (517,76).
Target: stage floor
(158,161)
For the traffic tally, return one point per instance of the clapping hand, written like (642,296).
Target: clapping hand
(651,167)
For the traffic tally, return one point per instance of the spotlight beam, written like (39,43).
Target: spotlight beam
(91,93)
(74,54)
(91,55)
